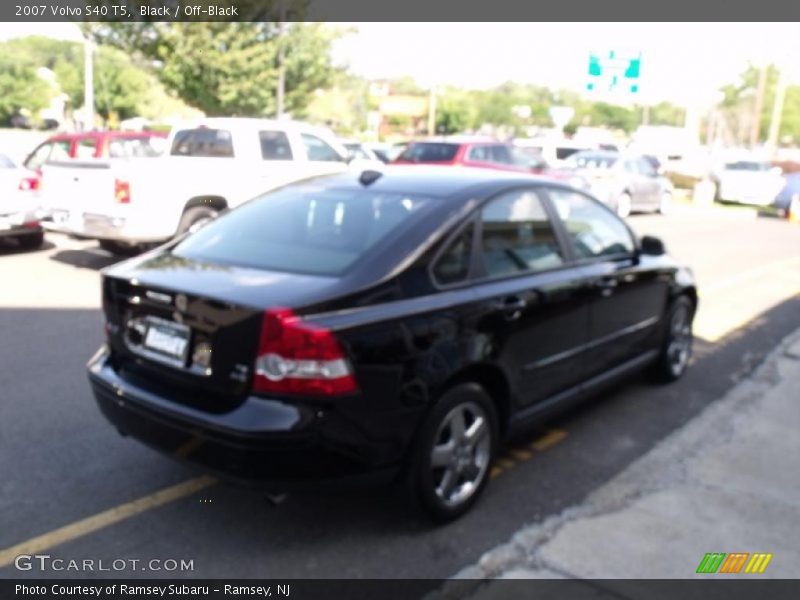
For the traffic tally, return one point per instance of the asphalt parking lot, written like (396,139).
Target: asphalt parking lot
(74,489)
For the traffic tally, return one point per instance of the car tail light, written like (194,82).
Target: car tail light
(122,191)
(299,358)
(29,184)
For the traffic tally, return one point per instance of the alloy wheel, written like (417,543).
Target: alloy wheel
(461,453)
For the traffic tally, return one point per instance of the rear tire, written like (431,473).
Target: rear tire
(454,452)
(194,218)
(676,347)
(31,241)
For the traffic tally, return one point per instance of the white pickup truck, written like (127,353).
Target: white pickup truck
(208,166)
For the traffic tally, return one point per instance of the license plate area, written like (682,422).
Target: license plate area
(160,340)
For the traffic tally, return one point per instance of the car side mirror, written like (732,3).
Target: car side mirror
(652,246)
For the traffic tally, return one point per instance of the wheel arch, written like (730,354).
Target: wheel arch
(494,381)
(217,203)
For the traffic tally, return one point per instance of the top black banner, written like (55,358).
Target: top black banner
(124,11)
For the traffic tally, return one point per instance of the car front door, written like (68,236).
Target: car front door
(534,313)
(627,300)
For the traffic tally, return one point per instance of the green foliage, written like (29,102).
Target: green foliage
(230,68)
(120,86)
(739,99)
(20,88)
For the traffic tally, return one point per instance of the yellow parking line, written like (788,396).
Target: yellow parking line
(549,439)
(104,519)
(506,463)
(495,472)
(520,454)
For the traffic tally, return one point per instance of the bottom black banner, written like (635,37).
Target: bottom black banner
(404,589)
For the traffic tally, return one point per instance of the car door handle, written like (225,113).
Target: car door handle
(511,307)
(606,285)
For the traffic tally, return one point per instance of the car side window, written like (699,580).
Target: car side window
(479,154)
(517,235)
(501,155)
(275,145)
(203,142)
(318,149)
(85,148)
(594,230)
(453,264)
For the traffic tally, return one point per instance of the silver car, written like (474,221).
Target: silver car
(624,182)
(19,204)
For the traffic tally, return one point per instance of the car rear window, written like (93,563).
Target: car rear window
(303,229)
(429,152)
(203,142)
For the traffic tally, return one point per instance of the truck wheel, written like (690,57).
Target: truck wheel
(194,218)
(119,249)
(29,241)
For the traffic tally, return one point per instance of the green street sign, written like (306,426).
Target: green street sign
(614,72)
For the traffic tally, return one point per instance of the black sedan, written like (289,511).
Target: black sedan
(384,326)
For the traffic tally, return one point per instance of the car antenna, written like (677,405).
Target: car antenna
(369,176)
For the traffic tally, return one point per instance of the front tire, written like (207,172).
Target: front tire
(676,348)
(454,454)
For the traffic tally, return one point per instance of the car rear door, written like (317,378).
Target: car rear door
(534,311)
(627,300)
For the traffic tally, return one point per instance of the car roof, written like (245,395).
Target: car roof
(459,139)
(248,123)
(430,180)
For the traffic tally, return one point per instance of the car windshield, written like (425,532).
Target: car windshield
(582,160)
(746,165)
(305,229)
(429,152)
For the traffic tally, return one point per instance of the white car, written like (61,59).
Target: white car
(747,181)
(210,165)
(19,204)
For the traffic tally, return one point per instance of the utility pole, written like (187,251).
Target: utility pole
(281,65)
(432,111)
(755,126)
(777,110)
(88,83)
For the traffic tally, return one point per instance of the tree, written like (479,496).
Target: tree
(229,68)
(20,88)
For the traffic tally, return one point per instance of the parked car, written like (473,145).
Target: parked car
(748,181)
(19,204)
(210,165)
(624,182)
(96,144)
(484,154)
(390,326)
(360,156)
(386,152)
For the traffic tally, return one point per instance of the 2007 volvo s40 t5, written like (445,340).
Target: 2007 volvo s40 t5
(384,326)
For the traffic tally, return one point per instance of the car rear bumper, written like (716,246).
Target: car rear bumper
(122,228)
(266,443)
